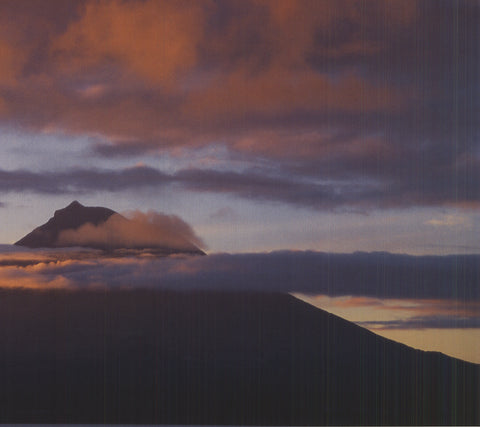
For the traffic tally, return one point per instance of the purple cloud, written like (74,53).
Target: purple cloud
(379,275)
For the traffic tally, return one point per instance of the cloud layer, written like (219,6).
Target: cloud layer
(399,291)
(348,102)
(379,275)
(252,184)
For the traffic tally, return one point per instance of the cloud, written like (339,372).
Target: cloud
(225,213)
(376,290)
(381,314)
(450,221)
(373,275)
(11,63)
(316,191)
(140,230)
(166,31)
(324,91)
(248,184)
(425,322)
(81,180)
(304,190)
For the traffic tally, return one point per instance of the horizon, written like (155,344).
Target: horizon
(132,213)
(330,247)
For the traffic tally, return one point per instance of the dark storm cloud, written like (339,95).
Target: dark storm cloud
(256,186)
(316,191)
(80,180)
(352,91)
(126,150)
(249,185)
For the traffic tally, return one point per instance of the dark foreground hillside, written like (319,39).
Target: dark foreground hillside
(215,358)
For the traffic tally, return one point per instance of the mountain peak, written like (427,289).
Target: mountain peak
(75,204)
(58,230)
(71,217)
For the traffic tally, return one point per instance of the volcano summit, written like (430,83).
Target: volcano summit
(102,228)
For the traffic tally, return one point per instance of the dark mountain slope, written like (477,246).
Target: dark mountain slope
(72,217)
(214,358)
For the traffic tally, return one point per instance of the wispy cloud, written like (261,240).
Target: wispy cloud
(426,322)
(450,220)
(380,314)
(225,213)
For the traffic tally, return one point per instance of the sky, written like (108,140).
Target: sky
(265,125)
(336,126)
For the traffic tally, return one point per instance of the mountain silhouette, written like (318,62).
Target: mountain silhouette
(72,217)
(75,217)
(157,357)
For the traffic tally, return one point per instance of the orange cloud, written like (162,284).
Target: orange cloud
(432,307)
(161,42)
(412,307)
(17,277)
(154,40)
(296,23)
(332,82)
(140,230)
(11,62)
(278,91)
(376,313)
(220,63)
(348,302)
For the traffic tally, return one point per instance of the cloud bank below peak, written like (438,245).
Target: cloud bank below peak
(377,290)
(375,275)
